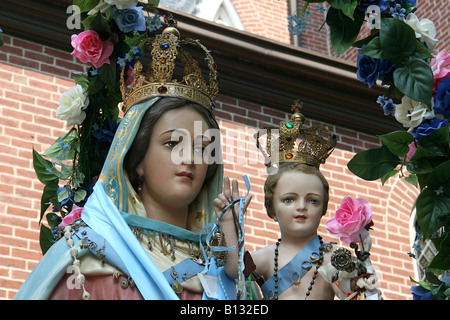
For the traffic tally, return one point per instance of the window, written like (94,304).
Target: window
(220,11)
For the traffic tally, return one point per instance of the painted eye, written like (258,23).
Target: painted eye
(288,200)
(171,144)
(314,201)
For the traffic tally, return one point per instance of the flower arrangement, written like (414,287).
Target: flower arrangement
(113,36)
(399,54)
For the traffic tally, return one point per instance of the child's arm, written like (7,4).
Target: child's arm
(229,222)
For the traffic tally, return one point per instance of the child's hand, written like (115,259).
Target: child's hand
(228,197)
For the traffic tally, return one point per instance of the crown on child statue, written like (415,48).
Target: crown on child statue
(316,142)
(156,79)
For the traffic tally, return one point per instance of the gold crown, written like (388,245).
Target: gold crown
(316,142)
(156,80)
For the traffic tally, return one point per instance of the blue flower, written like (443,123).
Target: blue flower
(130,19)
(427,127)
(121,62)
(442,98)
(153,23)
(371,69)
(398,12)
(382,4)
(320,9)
(420,293)
(298,22)
(94,71)
(439,191)
(387,105)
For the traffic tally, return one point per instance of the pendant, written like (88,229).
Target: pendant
(177,287)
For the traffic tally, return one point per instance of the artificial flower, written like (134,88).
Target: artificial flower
(420,293)
(350,220)
(72,104)
(411,113)
(427,127)
(440,65)
(89,47)
(424,29)
(412,151)
(129,20)
(371,69)
(442,98)
(72,216)
(387,105)
(364,4)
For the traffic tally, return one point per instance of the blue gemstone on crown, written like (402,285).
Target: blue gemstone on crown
(164,46)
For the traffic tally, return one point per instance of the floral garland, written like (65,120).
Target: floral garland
(399,52)
(113,36)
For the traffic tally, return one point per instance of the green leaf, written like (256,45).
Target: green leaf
(422,52)
(45,239)
(373,49)
(349,8)
(101,26)
(415,79)
(55,152)
(442,260)
(49,197)
(107,73)
(85,5)
(388,175)
(343,30)
(412,179)
(45,171)
(80,194)
(338,4)
(433,203)
(397,39)
(374,163)
(397,142)
(440,176)
(83,80)
(421,166)
(437,142)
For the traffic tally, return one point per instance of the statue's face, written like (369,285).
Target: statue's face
(173,169)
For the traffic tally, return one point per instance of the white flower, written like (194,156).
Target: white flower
(105,5)
(411,113)
(424,29)
(71,105)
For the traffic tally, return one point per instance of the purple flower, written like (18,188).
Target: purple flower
(130,19)
(371,69)
(442,98)
(427,127)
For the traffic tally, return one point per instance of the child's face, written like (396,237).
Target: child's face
(298,203)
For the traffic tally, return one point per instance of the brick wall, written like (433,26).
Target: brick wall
(32,77)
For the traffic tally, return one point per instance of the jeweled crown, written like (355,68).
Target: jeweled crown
(157,78)
(316,142)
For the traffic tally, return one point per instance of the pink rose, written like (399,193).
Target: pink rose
(350,219)
(89,47)
(440,65)
(72,216)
